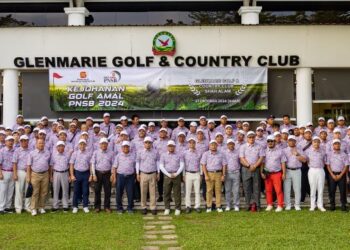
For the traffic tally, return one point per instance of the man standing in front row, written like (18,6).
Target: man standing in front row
(38,172)
(213,165)
(172,165)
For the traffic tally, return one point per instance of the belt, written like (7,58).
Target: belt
(192,172)
(293,168)
(40,172)
(103,172)
(126,175)
(336,172)
(215,171)
(7,170)
(148,172)
(64,171)
(274,172)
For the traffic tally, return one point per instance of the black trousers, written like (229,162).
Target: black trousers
(305,186)
(160,184)
(342,189)
(103,179)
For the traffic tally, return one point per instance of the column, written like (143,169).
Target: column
(249,14)
(304,95)
(76,15)
(10,96)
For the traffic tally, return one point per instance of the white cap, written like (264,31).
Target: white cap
(211,121)
(321,118)
(82,141)
(336,141)
(180,118)
(171,143)
(263,122)
(42,131)
(19,115)
(103,140)
(245,123)
(2,132)
(250,133)
(285,131)
(330,121)
(151,124)
(106,115)
(55,124)
(27,126)
(202,117)
(84,133)
(308,130)
(148,138)
(20,127)
(223,116)
(181,133)
(259,128)
(124,133)
(228,126)
(270,138)
(302,126)
(163,129)
(36,129)
(193,124)
(218,134)
(119,125)
(43,118)
(213,141)
(60,143)
(10,137)
(24,137)
(191,139)
(348,127)
(341,118)
(141,128)
(309,124)
(199,130)
(336,130)
(230,141)
(96,125)
(72,124)
(62,132)
(122,118)
(8,128)
(322,130)
(276,133)
(102,132)
(292,137)
(163,120)
(316,138)
(125,143)
(89,118)
(241,132)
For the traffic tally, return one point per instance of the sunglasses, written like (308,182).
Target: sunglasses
(269,141)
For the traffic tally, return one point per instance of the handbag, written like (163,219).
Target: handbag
(29,191)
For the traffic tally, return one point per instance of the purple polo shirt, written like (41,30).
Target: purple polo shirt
(214,161)
(181,147)
(20,157)
(192,160)
(171,161)
(261,141)
(343,146)
(39,160)
(232,158)
(59,161)
(125,163)
(161,145)
(316,158)
(274,157)
(138,143)
(6,156)
(303,143)
(103,160)
(147,160)
(178,130)
(202,146)
(251,152)
(108,128)
(337,160)
(292,160)
(81,160)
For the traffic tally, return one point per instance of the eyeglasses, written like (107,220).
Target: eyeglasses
(269,141)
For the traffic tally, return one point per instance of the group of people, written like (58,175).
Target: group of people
(145,160)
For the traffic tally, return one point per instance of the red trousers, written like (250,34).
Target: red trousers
(273,181)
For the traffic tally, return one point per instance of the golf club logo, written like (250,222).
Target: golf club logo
(164,43)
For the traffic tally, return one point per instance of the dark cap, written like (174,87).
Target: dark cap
(271,117)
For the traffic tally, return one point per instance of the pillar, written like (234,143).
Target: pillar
(304,95)
(76,15)
(249,14)
(10,96)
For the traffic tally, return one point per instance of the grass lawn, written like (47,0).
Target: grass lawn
(71,231)
(245,230)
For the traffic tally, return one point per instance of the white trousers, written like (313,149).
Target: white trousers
(293,179)
(316,180)
(21,186)
(7,186)
(192,179)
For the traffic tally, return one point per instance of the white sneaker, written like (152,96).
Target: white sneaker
(75,210)
(236,209)
(18,211)
(279,209)
(166,211)
(34,213)
(227,209)
(269,208)
(28,210)
(42,211)
(297,208)
(219,210)
(86,210)
(177,212)
(312,209)
(322,209)
(208,210)
(288,208)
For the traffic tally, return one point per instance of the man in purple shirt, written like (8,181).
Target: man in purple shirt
(147,170)
(337,165)
(123,172)
(19,160)
(60,175)
(172,165)
(251,155)
(180,128)
(101,165)
(213,165)
(6,175)
(233,176)
(273,172)
(107,125)
(192,175)
(287,124)
(38,172)
(81,175)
